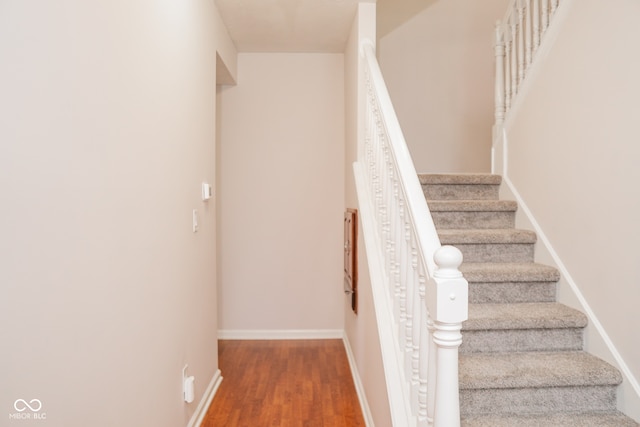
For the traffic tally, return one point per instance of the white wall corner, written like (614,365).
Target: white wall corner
(205,402)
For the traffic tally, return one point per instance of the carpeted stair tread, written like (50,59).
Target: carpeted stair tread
(492,282)
(473,214)
(584,419)
(481,236)
(523,316)
(460,179)
(509,272)
(460,187)
(534,369)
(472,205)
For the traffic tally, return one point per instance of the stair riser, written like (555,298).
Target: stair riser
(481,293)
(460,192)
(521,340)
(495,252)
(542,400)
(469,220)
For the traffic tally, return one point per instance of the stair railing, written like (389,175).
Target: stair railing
(421,297)
(517,39)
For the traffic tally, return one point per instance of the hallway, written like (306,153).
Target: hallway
(284,383)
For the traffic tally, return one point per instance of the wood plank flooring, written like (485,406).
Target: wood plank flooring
(303,383)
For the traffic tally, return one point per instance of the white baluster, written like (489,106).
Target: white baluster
(407,278)
(520,41)
(423,414)
(432,370)
(554,6)
(545,16)
(507,69)
(514,56)
(528,31)
(500,94)
(387,239)
(536,24)
(448,306)
(398,239)
(417,310)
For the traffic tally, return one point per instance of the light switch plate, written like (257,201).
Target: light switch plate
(195,220)
(206,191)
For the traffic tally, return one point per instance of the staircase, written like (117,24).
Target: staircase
(521,361)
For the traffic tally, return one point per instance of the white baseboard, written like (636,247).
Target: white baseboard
(362,397)
(205,402)
(280,334)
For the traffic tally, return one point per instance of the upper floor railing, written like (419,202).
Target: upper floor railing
(420,295)
(517,39)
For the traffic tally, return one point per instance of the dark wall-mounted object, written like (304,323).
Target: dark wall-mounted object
(351,256)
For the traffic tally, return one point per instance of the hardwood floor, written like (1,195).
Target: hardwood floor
(285,384)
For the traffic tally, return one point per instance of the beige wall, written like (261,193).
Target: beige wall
(107,129)
(573,154)
(361,329)
(439,70)
(281,194)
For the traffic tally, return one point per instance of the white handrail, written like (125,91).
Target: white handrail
(420,295)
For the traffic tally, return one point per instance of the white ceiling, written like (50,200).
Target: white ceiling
(288,25)
(305,25)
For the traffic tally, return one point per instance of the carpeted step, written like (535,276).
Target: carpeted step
(499,245)
(510,282)
(522,327)
(536,383)
(460,186)
(582,419)
(465,214)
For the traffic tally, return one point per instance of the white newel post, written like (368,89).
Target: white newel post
(448,306)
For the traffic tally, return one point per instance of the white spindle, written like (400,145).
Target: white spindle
(521,54)
(417,309)
(514,56)
(507,69)
(500,93)
(528,31)
(423,416)
(545,16)
(407,278)
(432,371)
(536,24)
